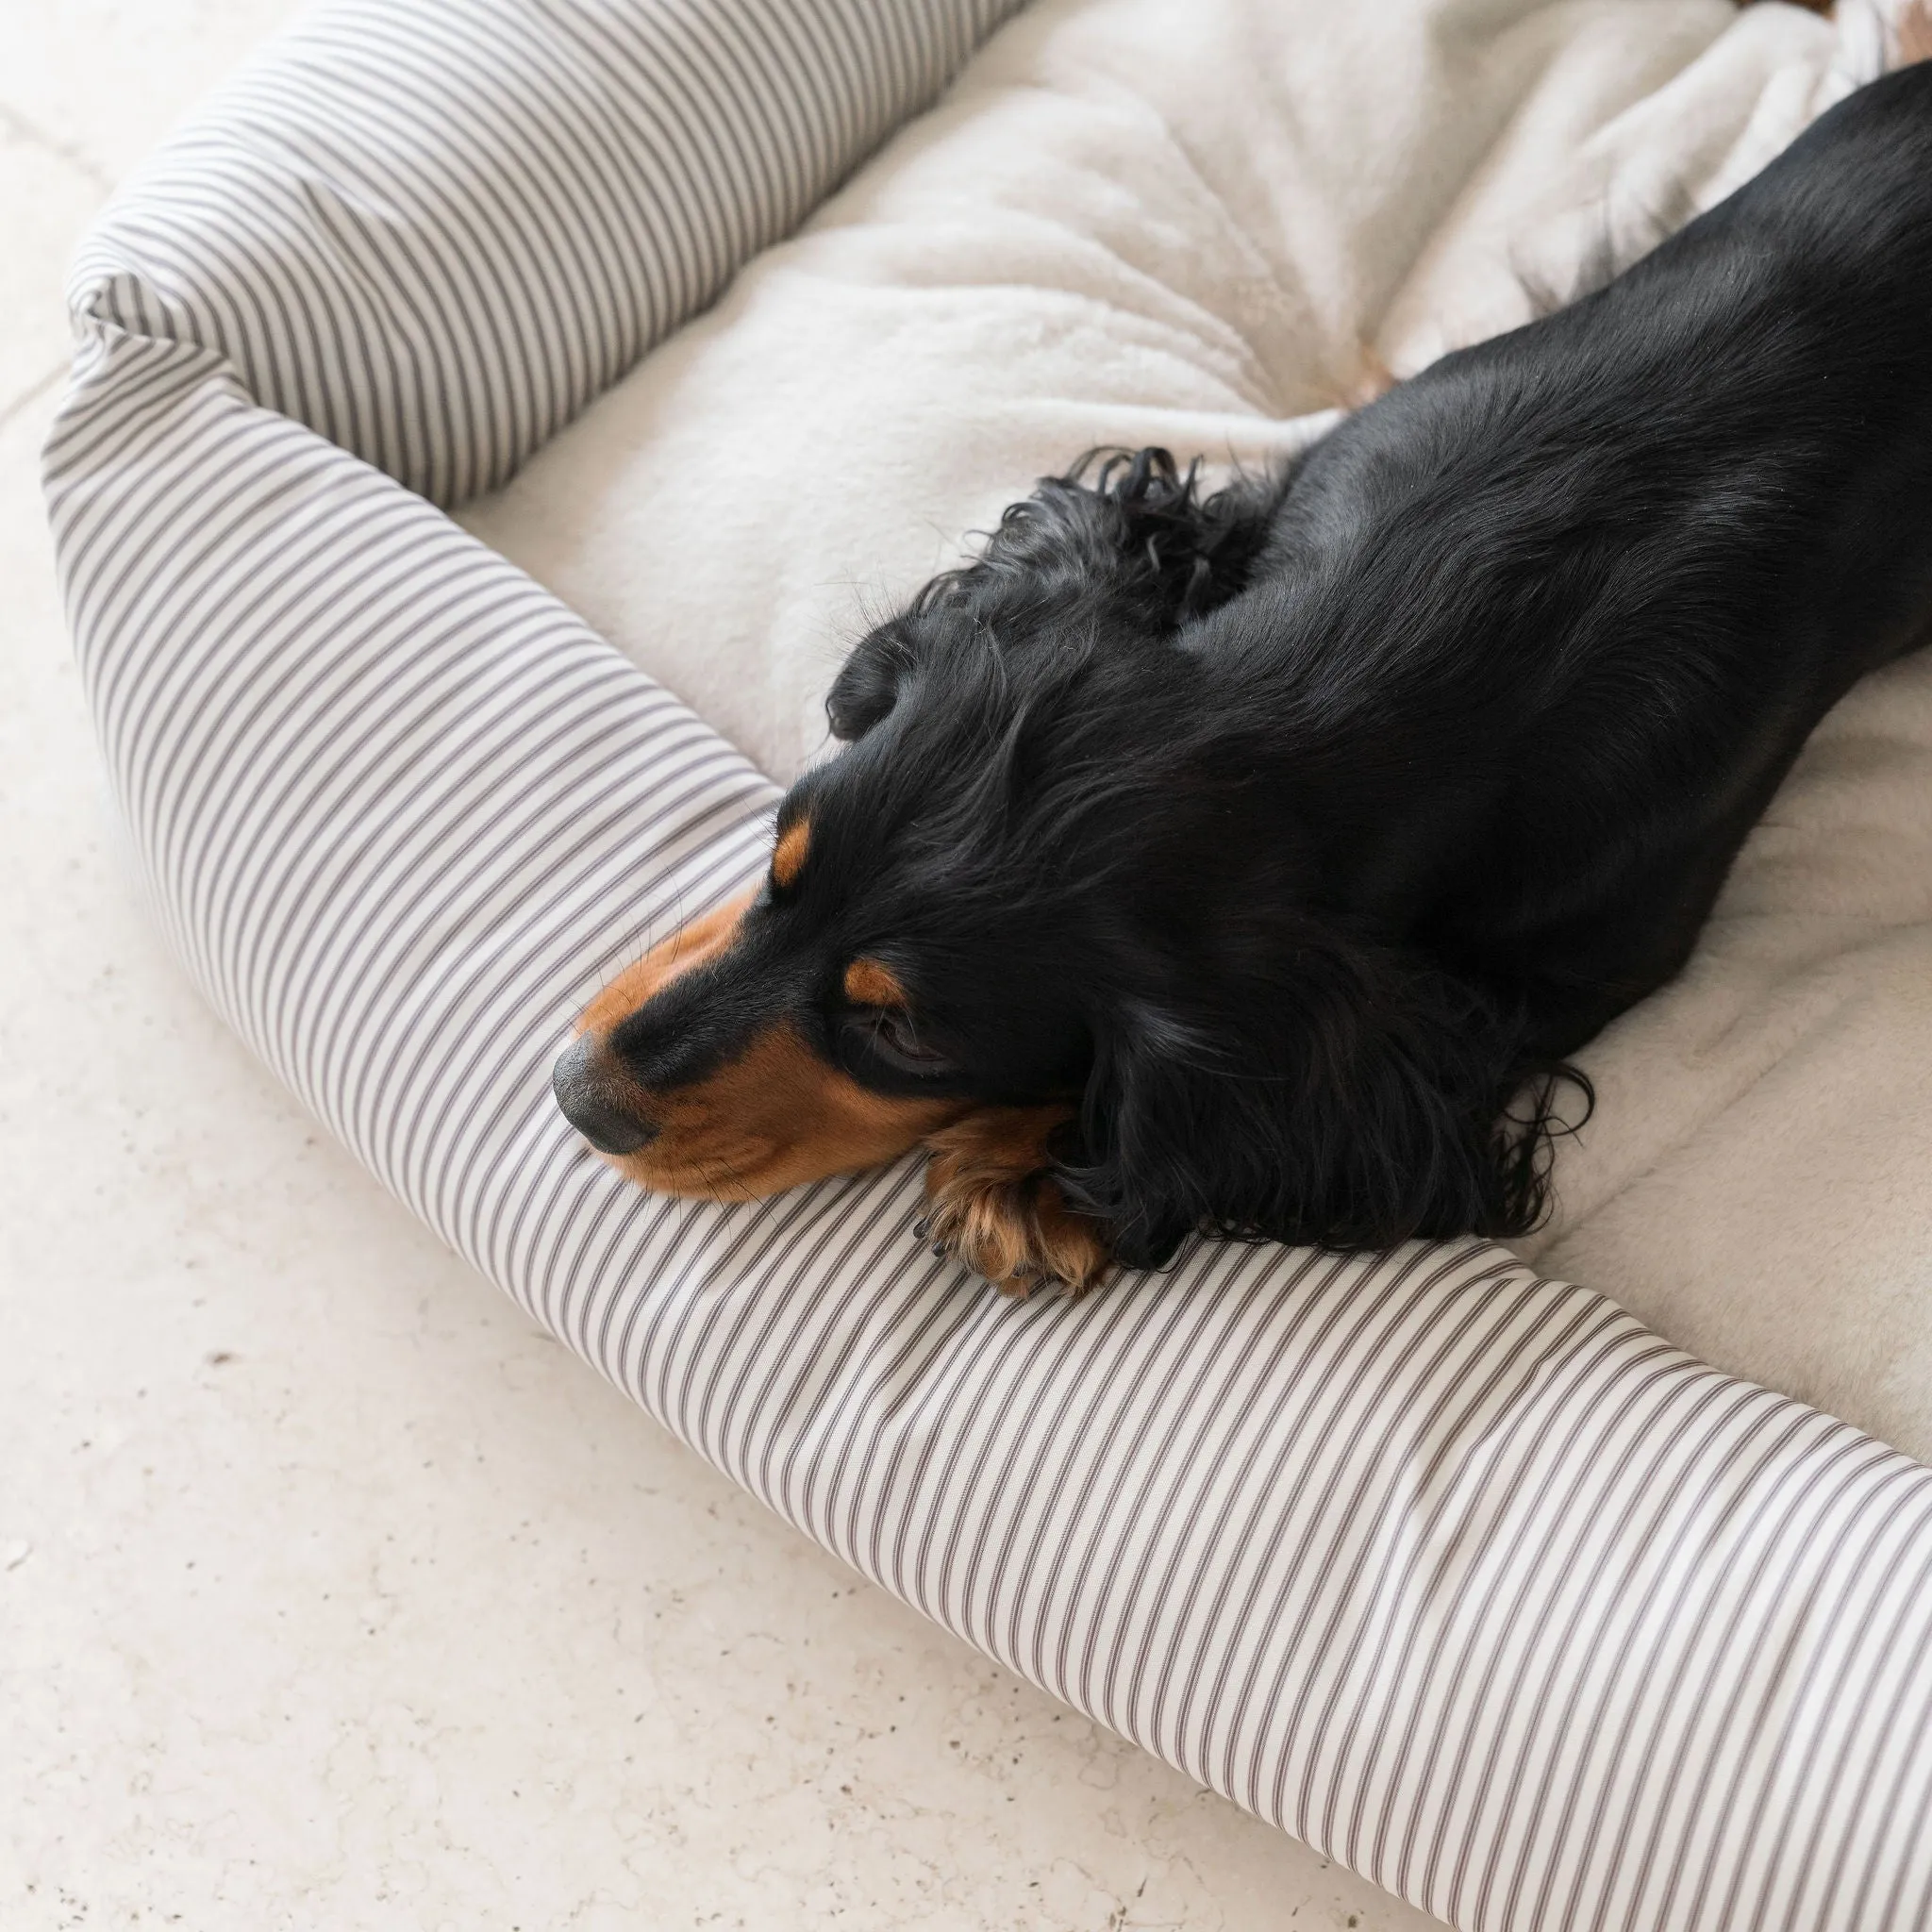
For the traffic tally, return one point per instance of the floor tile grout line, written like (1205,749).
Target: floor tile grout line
(24,399)
(17,125)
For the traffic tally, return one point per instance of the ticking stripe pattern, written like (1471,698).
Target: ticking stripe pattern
(433,233)
(1461,1574)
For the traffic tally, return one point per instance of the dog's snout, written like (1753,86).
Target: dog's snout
(583,1089)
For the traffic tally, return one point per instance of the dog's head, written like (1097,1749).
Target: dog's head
(1031,881)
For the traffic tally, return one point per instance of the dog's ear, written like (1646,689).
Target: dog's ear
(1139,529)
(1140,533)
(1359,1106)
(866,686)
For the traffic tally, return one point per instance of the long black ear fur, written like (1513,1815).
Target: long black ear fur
(1377,1108)
(1140,532)
(1141,529)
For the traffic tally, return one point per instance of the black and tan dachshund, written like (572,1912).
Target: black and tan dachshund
(1252,863)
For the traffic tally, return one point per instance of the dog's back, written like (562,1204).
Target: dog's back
(1577,595)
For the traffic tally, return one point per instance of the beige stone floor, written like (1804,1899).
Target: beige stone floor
(331,1594)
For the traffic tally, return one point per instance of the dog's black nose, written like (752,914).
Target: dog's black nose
(583,1092)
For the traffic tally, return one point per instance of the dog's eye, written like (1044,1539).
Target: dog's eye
(896,1042)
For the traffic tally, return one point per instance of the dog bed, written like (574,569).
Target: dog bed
(1456,1572)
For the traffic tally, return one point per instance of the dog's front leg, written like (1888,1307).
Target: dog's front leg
(995,1205)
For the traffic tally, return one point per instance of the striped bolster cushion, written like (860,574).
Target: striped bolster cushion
(1458,1574)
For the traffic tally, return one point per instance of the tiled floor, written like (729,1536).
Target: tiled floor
(332,1595)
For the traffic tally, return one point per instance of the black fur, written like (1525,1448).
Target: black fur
(1300,831)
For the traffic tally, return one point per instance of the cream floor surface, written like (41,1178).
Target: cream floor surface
(331,1593)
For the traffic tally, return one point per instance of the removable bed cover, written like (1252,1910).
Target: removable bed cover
(1460,1573)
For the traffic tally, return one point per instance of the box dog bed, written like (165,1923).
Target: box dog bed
(1456,1571)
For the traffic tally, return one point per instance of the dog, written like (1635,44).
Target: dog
(1254,862)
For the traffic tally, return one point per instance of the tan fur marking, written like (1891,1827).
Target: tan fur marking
(789,855)
(691,945)
(773,1117)
(870,984)
(994,1205)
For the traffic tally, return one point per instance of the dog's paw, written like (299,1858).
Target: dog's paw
(995,1206)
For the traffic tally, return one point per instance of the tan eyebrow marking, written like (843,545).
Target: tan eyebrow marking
(870,984)
(788,856)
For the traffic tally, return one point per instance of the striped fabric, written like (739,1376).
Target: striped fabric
(1458,1574)
(433,233)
